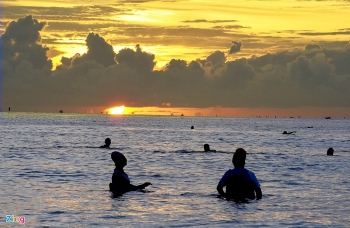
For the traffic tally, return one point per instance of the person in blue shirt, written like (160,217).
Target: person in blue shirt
(120,180)
(240,183)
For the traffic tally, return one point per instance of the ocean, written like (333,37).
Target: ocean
(53,173)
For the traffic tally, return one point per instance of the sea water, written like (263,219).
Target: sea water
(53,173)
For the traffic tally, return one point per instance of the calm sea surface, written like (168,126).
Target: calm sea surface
(54,174)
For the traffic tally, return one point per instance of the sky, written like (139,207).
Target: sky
(232,58)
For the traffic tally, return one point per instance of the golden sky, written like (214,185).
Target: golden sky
(188,29)
(215,56)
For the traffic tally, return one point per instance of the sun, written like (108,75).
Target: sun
(116,110)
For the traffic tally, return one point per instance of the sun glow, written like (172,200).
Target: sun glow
(116,110)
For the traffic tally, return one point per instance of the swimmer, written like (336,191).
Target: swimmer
(240,183)
(287,133)
(207,148)
(120,180)
(330,151)
(192,127)
(107,143)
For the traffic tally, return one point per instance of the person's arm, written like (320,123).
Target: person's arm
(137,187)
(258,193)
(220,189)
(222,184)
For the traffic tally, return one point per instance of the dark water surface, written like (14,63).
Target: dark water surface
(53,174)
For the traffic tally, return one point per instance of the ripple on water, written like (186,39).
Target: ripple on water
(55,175)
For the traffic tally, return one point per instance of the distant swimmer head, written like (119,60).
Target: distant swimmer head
(285,132)
(330,151)
(192,127)
(238,158)
(108,141)
(119,159)
(206,147)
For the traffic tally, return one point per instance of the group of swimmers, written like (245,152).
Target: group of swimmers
(240,183)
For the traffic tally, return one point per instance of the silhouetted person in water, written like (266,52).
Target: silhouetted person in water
(287,133)
(240,183)
(107,143)
(207,148)
(120,180)
(330,151)
(192,127)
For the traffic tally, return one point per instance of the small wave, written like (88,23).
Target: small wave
(56,212)
(296,169)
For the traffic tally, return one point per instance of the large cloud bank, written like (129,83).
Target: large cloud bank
(314,76)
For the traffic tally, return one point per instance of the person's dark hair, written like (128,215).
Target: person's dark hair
(108,141)
(330,151)
(238,158)
(206,147)
(118,158)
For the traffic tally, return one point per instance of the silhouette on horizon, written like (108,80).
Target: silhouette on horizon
(240,183)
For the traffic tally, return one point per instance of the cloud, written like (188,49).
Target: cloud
(312,46)
(309,76)
(324,33)
(209,21)
(139,60)
(98,50)
(229,27)
(53,52)
(21,41)
(235,47)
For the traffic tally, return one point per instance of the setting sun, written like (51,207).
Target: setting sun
(116,110)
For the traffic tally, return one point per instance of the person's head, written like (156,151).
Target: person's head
(108,141)
(119,159)
(206,147)
(330,151)
(238,158)
(192,127)
(284,132)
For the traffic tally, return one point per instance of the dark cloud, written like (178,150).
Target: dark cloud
(22,41)
(235,47)
(176,63)
(312,46)
(99,50)
(308,76)
(217,57)
(138,59)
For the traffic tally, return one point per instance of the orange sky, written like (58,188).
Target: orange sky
(248,57)
(274,25)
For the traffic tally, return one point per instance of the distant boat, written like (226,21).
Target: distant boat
(328,118)
(60,111)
